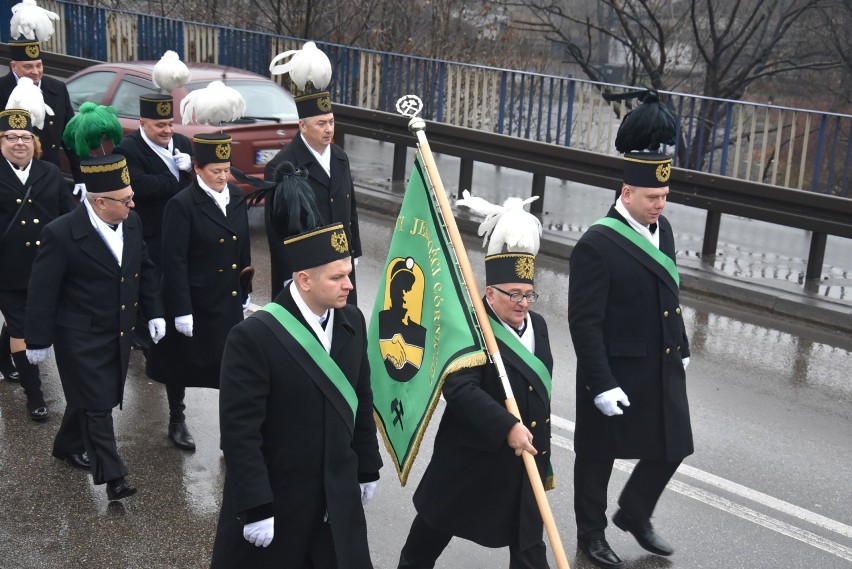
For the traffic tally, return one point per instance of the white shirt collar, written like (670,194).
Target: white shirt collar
(164,152)
(23,174)
(113,239)
(324,159)
(222,199)
(654,238)
(312,319)
(527,337)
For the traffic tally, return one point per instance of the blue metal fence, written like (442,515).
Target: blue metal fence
(795,148)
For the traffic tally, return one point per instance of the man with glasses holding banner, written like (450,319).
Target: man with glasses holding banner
(476,486)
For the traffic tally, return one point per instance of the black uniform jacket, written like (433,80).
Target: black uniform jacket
(49,198)
(84,304)
(475,487)
(627,327)
(153,183)
(335,197)
(56,96)
(203,254)
(288,451)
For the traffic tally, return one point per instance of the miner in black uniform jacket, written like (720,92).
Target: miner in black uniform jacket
(32,194)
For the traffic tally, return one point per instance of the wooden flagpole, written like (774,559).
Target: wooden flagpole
(418,126)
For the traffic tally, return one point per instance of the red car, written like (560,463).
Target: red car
(269,123)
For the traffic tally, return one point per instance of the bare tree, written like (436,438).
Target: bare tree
(721,47)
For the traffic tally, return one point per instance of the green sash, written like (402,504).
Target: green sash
(514,343)
(315,350)
(633,236)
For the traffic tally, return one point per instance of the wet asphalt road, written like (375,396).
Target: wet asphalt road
(768,487)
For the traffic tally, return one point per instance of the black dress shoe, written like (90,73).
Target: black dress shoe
(180,437)
(77,460)
(38,413)
(644,533)
(10,374)
(119,489)
(600,553)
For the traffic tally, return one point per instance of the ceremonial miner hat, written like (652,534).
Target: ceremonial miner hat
(154,106)
(317,247)
(211,148)
(16,119)
(510,225)
(641,134)
(509,268)
(647,169)
(105,173)
(310,71)
(24,50)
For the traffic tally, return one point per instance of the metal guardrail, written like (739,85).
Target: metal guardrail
(794,148)
(821,214)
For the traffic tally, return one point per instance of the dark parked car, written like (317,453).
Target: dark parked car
(269,123)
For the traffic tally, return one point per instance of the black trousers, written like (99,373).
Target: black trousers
(638,499)
(425,544)
(93,431)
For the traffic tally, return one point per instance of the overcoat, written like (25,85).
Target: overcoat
(475,487)
(56,96)
(288,450)
(84,304)
(153,184)
(627,327)
(49,198)
(335,197)
(203,254)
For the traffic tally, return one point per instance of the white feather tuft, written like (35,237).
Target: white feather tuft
(32,21)
(213,105)
(510,224)
(170,72)
(28,97)
(308,65)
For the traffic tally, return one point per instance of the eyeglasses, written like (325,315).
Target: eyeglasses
(14,138)
(125,201)
(518,297)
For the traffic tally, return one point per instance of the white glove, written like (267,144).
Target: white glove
(260,533)
(367,491)
(607,402)
(183,324)
(37,356)
(355,262)
(182,160)
(247,302)
(685,362)
(80,189)
(157,329)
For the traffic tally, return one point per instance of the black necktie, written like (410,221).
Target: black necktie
(113,226)
(652,228)
(323,321)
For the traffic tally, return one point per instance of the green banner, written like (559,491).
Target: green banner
(422,327)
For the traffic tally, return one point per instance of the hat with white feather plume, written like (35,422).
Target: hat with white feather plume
(32,21)
(310,71)
(508,225)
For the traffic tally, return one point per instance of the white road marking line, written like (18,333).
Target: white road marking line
(738,510)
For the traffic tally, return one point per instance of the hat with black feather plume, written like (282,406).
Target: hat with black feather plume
(296,220)
(641,134)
